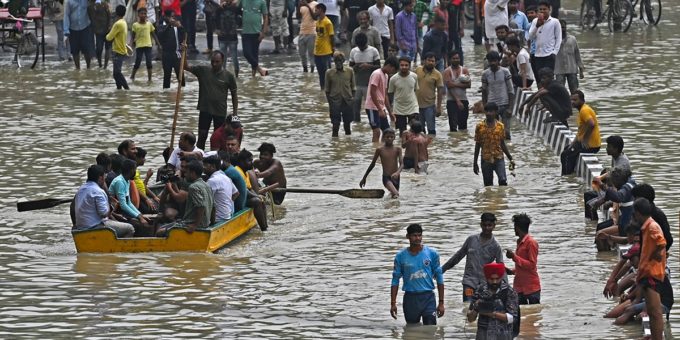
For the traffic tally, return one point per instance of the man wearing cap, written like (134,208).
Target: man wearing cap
(418,265)
(495,302)
(232,126)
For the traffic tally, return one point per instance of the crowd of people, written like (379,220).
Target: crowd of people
(380,76)
(198,189)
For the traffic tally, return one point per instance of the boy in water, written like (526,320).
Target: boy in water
(142,32)
(390,158)
(415,145)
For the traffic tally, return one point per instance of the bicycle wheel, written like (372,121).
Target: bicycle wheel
(587,16)
(650,11)
(27,50)
(469,6)
(620,16)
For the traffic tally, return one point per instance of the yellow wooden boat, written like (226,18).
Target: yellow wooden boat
(178,239)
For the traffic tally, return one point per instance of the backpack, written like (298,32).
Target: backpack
(516,322)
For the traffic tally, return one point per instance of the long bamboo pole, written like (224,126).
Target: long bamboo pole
(179,90)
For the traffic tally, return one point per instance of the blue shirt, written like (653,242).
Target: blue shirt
(92,205)
(240,184)
(405,29)
(417,270)
(75,16)
(120,189)
(522,22)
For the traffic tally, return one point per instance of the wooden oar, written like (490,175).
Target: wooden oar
(179,92)
(41,204)
(351,193)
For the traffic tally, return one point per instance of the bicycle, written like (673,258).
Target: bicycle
(650,11)
(24,44)
(619,14)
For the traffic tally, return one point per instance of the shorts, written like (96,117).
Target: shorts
(468,292)
(402,121)
(278,197)
(376,121)
(205,118)
(388,179)
(409,163)
(420,305)
(82,41)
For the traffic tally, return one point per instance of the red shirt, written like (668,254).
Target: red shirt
(526,273)
(174,5)
(218,140)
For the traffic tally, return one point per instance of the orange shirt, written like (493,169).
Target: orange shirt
(651,237)
(490,140)
(526,273)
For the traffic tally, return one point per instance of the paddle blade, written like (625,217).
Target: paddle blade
(363,193)
(41,204)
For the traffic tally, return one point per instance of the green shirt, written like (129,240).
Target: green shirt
(253,10)
(199,196)
(213,89)
(421,8)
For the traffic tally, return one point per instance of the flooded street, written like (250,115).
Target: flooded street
(323,269)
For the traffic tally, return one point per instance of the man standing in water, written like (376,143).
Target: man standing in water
(651,274)
(270,170)
(480,249)
(340,90)
(527,283)
(255,26)
(489,138)
(418,265)
(497,88)
(377,107)
(402,91)
(78,31)
(214,85)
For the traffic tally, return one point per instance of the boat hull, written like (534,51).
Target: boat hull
(208,240)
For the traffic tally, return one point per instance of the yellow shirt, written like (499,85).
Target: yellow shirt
(585,114)
(118,35)
(139,183)
(142,34)
(324,37)
(245,176)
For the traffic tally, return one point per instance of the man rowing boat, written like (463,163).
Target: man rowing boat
(270,170)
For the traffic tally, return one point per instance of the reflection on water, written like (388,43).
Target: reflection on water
(323,268)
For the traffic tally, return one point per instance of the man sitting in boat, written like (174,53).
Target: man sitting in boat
(235,177)
(244,165)
(199,210)
(270,170)
(232,126)
(186,147)
(223,189)
(92,209)
(120,189)
(174,195)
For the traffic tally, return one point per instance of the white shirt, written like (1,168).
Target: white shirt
(548,37)
(380,20)
(404,89)
(223,190)
(151,6)
(523,57)
(174,157)
(331,7)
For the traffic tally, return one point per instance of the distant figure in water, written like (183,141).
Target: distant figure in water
(270,170)
(415,145)
(390,157)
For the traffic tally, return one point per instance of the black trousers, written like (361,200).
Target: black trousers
(569,157)
(170,62)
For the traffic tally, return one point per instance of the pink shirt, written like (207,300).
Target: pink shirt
(378,79)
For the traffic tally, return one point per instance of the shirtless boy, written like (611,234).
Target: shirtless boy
(415,145)
(390,158)
(270,170)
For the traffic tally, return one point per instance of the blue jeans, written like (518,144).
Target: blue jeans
(427,114)
(230,48)
(62,49)
(408,53)
(118,76)
(323,62)
(251,48)
(440,65)
(498,167)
